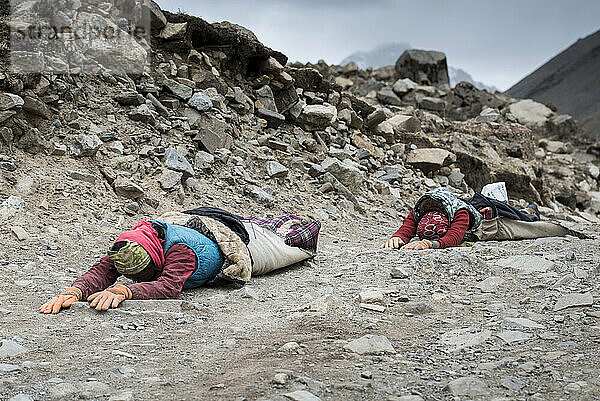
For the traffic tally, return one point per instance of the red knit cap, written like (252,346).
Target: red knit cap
(434,225)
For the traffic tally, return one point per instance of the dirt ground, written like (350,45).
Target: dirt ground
(287,332)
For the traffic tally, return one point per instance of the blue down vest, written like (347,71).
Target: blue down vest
(442,197)
(209,258)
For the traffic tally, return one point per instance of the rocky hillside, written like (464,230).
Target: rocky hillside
(216,104)
(569,81)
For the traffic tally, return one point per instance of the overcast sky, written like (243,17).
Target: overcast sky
(497,41)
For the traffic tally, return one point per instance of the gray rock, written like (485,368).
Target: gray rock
(301,395)
(142,113)
(523,322)
(204,160)
(387,96)
(63,391)
(399,272)
(130,98)
(371,296)
(409,398)
(200,102)
(456,178)
(169,179)
(430,159)
(490,284)
(20,233)
(245,104)
(81,176)
(423,67)
(267,100)
(10,100)
(127,188)
(152,12)
(10,348)
(403,86)
(211,141)
(36,107)
(375,118)
(370,344)
(21,397)
(512,383)
(276,169)
(468,386)
(432,103)
(296,110)
(460,339)
(84,145)
(178,89)
(8,368)
(177,162)
(6,114)
(399,149)
(372,307)
(315,170)
(122,396)
(341,189)
(116,147)
(11,207)
(574,300)
(352,177)
(488,115)
(526,263)
(26,185)
(274,119)
(317,117)
(94,389)
(554,146)
(530,113)
(513,336)
(173,30)
(260,195)
(58,149)
(403,123)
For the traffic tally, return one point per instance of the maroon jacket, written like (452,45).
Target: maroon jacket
(454,236)
(180,263)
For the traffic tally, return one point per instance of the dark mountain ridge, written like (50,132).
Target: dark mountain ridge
(570,80)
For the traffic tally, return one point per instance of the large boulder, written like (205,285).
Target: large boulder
(210,141)
(424,67)
(121,53)
(128,189)
(317,117)
(10,100)
(265,97)
(404,123)
(430,159)
(174,31)
(349,175)
(530,113)
(177,162)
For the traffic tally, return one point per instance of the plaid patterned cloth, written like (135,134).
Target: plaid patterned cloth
(297,232)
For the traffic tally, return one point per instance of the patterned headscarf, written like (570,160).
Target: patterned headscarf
(130,259)
(433,225)
(143,245)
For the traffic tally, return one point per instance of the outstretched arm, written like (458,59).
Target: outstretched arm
(99,277)
(404,233)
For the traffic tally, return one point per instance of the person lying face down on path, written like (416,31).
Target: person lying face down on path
(163,258)
(439,219)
